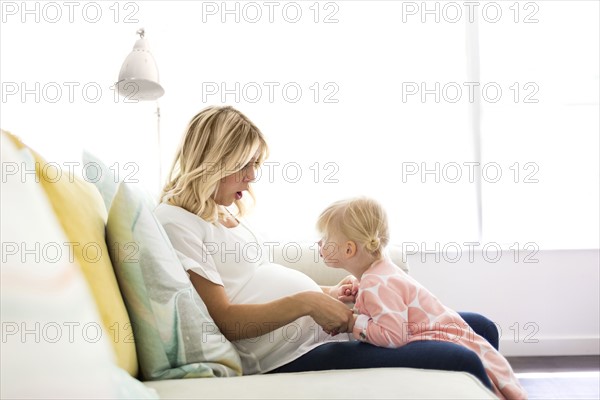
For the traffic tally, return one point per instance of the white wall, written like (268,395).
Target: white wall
(554,302)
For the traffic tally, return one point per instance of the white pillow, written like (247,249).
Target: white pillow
(53,344)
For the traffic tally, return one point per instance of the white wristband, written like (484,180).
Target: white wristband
(360,327)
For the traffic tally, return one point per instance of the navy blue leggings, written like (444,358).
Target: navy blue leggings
(425,354)
(483,327)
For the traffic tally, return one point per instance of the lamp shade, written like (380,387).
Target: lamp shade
(138,78)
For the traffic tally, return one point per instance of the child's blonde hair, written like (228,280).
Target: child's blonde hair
(218,142)
(362,220)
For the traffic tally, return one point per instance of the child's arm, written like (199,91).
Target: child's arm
(345,291)
(382,316)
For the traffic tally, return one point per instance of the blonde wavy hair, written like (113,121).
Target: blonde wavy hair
(218,142)
(360,219)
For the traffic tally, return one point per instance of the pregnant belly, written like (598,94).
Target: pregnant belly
(263,353)
(273,281)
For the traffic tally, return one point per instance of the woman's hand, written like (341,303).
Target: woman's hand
(346,290)
(332,315)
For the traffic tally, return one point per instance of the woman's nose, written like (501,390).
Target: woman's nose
(250,174)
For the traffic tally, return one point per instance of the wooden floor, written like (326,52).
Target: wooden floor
(573,377)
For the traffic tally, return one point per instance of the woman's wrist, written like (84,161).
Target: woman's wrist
(306,302)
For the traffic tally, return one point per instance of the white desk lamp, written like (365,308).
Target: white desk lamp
(138,78)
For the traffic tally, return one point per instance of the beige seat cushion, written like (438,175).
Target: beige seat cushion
(373,383)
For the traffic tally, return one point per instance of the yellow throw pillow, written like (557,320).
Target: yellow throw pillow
(82,215)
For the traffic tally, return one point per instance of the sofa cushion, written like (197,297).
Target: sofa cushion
(373,383)
(174,334)
(82,215)
(305,258)
(53,344)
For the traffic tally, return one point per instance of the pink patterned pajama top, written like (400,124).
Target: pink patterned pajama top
(394,309)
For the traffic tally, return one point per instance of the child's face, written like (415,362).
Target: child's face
(331,248)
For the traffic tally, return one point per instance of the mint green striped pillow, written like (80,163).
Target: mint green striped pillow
(175,336)
(96,172)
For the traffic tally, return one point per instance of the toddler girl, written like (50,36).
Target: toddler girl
(391,308)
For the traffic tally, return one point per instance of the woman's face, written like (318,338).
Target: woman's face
(231,187)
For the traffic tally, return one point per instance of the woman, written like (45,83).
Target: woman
(276,317)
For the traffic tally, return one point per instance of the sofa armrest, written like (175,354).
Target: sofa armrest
(304,257)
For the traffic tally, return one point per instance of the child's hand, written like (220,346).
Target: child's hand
(347,289)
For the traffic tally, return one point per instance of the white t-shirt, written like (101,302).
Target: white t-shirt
(237,260)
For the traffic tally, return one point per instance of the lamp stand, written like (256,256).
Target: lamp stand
(160,177)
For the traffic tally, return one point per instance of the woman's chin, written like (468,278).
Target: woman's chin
(224,203)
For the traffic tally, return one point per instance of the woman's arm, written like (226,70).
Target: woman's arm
(243,321)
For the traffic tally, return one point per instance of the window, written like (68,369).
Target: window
(544,130)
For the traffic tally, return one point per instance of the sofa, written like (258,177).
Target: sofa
(88,310)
